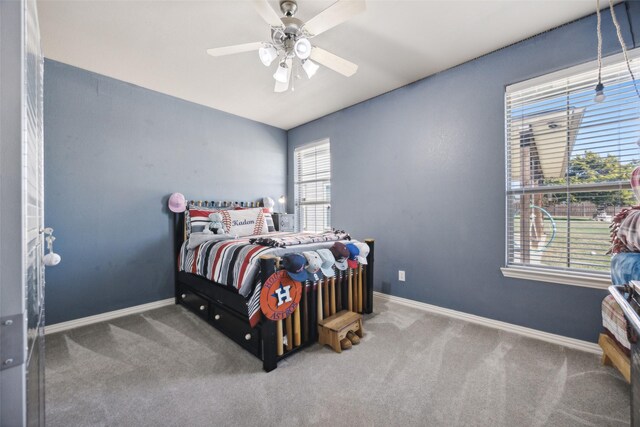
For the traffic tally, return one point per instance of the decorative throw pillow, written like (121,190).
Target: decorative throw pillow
(245,222)
(269,226)
(197,219)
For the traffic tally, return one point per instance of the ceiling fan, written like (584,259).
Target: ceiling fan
(290,40)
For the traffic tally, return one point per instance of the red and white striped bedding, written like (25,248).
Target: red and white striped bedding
(231,263)
(235,263)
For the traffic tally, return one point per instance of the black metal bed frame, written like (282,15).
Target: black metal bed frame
(226,310)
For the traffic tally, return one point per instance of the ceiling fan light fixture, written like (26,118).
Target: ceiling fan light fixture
(282,74)
(302,48)
(267,54)
(290,46)
(600,96)
(310,67)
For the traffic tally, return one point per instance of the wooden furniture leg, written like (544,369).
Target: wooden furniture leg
(613,355)
(360,331)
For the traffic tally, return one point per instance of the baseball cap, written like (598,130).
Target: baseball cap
(327,262)
(314,264)
(294,264)
(353,255)
(340,254)
(177,203)
(364,251)
(268,203)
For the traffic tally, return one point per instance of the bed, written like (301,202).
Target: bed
(220,281)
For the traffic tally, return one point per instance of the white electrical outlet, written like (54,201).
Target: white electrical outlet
(401,275)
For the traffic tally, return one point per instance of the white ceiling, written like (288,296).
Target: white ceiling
(161,45)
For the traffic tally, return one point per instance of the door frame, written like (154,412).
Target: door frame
(12,290)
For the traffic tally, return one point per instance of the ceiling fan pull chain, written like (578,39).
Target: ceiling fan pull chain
(599,97)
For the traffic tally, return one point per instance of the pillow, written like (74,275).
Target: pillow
(197,219)
(269,226)
(244,222)
(198,238)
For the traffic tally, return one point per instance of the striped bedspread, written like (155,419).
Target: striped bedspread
(232,263)
(235,263)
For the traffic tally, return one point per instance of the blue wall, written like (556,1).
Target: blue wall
(113,153)
(421,169)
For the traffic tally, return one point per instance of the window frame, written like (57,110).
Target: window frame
(598,280)
(296,201)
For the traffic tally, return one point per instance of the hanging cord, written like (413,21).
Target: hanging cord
(622,43)
(599,31)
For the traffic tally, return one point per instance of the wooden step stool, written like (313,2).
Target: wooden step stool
(334,328)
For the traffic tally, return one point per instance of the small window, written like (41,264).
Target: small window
(569,160)
(313,187)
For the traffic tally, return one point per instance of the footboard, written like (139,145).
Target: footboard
(351,290)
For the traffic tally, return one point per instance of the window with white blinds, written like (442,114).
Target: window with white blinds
(313,187)
(569,160)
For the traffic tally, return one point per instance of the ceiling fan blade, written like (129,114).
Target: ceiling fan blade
(282,87)
(335,14)
(267,13)
(238,48)
(337,64)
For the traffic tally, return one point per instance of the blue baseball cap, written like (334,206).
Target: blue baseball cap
(294,264)
(353,255)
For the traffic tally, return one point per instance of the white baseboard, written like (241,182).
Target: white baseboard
(496,324)
(76,323)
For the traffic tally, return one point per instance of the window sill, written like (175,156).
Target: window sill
(586,280)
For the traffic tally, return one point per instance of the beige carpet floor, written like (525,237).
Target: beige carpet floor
(166,367)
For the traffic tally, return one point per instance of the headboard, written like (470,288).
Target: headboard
(223,204)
